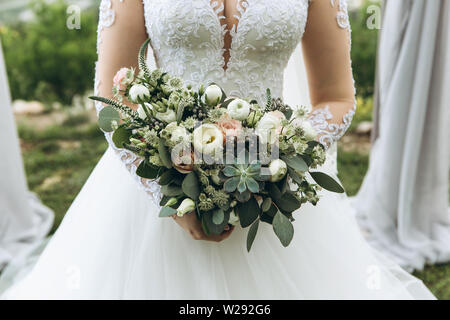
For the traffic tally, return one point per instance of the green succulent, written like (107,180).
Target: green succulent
(242,177)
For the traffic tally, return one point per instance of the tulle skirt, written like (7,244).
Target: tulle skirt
(113,245)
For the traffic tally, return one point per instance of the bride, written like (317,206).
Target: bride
(112,245)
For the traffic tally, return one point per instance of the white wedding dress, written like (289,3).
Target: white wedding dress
(112,244)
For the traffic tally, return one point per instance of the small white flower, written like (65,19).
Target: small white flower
(234,219)
(207,139)
(139,91)
(239,109)
(178,134)
(278,170)
(186,206)
(310,132)
(213,95)
(168,116)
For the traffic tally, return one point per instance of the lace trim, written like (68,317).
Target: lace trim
(330,132)
(131,161)
(342,15)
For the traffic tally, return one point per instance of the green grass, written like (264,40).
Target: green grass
(59,159)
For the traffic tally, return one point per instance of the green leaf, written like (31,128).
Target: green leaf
(274,191)
(213,228)
(167,212)
(231,184)
(167,177)
(248,212)
(283,228)
(295,162)
(148,171)
(295,176)
(252,185)
(327,182)
(171,190)
(267,203)
(243,197)
(218,216)
(191,186)
(252,234)
(106,117)
(121,136)
(164,154)
(230,171)
(142,58)
(288,202)
(180,112)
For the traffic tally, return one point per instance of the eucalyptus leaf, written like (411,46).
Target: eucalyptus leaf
(252,234)
(171,190)
(295,176)
(288,202)
(167,177)
(191,186)
(164,154)
(106,116)
(283,228)
(148,171)
(121,136)
(243,197)
(327,182)
(167,212)
(248,212)
(213,227)
(218,216)
(295,162)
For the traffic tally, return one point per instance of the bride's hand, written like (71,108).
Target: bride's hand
(193,226)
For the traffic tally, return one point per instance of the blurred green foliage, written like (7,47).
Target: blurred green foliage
(45,59)
(364,49)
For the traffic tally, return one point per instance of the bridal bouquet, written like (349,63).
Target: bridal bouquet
(228,159)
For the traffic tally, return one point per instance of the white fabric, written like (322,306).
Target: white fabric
(24,221)
(403,202)
(112,244)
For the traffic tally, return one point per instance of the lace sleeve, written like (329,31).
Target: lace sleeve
(326,48)
(121,32)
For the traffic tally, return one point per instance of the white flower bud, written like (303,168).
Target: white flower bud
(234,219)
(186,206)
(310,133)
(168,116)
(238,109)
(278,170)
(213,95)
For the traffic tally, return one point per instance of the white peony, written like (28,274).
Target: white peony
(207,139)
(238,109)
(213,95)
(186,206)
(234,219)
(168,116)
(139,91)
(278,170)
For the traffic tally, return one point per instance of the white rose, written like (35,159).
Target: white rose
(168,116)
(139,91)
(213,95)
(278,170)
(234,219)
(207,139)
(186,206)
(270,124)
(310,133)
(239,109)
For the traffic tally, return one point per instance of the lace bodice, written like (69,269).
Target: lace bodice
(187,40)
